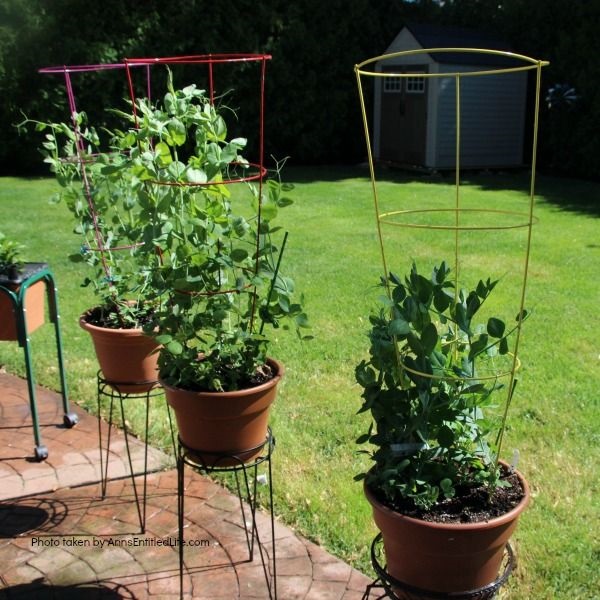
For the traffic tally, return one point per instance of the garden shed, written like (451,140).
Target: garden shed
(415,116)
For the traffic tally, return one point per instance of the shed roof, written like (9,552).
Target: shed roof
(440,36)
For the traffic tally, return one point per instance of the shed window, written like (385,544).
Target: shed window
(415,85)
(392,84)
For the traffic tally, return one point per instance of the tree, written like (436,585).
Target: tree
(312,110)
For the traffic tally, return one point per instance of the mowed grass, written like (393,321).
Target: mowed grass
(334,256)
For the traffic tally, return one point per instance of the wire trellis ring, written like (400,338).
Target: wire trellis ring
(501,374)
(259,175)
(126,247)
(385,218)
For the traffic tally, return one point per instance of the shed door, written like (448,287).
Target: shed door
(403,125)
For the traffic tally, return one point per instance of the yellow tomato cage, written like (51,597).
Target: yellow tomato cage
(370,70)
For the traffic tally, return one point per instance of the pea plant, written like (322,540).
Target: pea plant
(432,374)
(178,227)
(106,213)
(207,228)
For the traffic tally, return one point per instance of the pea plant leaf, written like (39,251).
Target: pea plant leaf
(429,338)
(495,327)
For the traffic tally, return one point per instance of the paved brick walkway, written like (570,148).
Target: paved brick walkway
(60,539)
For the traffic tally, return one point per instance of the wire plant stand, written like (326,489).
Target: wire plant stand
(414,226)
(246,484)
(112,391)
(398,590)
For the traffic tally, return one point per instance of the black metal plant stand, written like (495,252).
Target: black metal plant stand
(110,389)
(228,462)
(398,590)
(30,274)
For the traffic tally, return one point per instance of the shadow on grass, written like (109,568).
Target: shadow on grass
(574,195)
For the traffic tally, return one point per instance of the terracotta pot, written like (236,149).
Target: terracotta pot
(34,305)
(223,424)
(442,557)
(127,357)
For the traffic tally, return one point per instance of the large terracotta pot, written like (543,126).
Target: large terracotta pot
(34,307)
(221,425)
(441,557)
(127,357)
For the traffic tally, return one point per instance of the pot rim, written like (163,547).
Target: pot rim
(494,522)
(280,370)
(87,326)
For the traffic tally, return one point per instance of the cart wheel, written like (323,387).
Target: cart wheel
(70,420)
(41,453)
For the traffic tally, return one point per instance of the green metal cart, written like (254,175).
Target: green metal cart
(16,290)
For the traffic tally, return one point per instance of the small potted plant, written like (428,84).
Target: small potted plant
(11,261)
(206,219)
(12,267)
(103,201)
(444,502)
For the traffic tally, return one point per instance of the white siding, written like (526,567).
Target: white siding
(492,119)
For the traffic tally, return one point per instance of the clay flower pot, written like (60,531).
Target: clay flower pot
(221,425)
(127,357)
(444,557)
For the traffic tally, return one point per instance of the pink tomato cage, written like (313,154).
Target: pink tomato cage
(211,62)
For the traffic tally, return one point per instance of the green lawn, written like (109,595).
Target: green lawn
(334,256)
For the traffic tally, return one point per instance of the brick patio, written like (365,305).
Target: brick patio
(60,539)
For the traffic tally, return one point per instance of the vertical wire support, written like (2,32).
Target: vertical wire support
(240,491)
(180,509)
(148,83)
(104,464)
(512,383)
(376,201)
(102,477)
(261,163)
(457,185)
(141,511)
(273,557)
(271,582)
(73,110)
(211,82)
(275,275)
(86,184)
(128,63)
(372,173)
(457,84)
(132,93)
